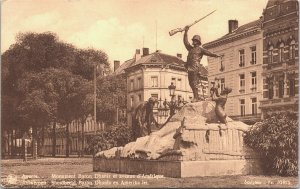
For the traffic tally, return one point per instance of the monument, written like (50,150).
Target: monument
(193,143)
(198,140)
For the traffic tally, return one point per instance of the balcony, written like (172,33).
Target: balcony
(279,102)
(242,90)
(248,118)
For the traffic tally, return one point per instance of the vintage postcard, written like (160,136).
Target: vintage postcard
(149,94)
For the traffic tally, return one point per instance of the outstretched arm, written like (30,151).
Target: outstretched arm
(187,45)
(208,53)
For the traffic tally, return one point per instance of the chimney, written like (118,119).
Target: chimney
(137,54)
(145,51)
(179,55)
(116,64)
(232,25)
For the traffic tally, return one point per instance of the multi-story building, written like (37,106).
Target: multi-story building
(240,69)
(150,75)
(280,56)
(78,137)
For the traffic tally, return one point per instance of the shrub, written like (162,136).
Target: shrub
(115,135)
(275,139)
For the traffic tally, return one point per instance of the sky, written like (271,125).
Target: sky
(119,27)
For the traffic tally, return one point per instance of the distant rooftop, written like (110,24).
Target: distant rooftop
(156,58)
(240,31)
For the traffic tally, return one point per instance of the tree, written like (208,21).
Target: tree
(86,59)
(111,92)
(43,78)
(276,140)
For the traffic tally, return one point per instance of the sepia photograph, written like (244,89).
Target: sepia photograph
(149,94)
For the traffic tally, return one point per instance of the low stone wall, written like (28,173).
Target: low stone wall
(178,169)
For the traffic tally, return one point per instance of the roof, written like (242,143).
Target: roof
(242,30)
(156,58)
(273,2)
(123,66)
(159,58)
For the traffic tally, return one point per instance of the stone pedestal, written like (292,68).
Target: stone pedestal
(192,144)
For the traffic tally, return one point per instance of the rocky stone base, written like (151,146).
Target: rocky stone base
(178,169)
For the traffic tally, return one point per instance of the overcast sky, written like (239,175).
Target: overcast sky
(118,27)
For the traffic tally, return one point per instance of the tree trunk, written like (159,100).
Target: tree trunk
(54,139)
(78,137)
(82,138)
(12,149)
(67,141)
(34,142)
(43,142)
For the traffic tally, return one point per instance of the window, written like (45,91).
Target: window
(270,55)
(292,50)
(139,83)
(292,87)
(222,67)
(154,96)
(253,55)
(253,81)
(280,88)
(242,83)
(131,101)
(179,84)
(222,84)
(270,89)
(242,58)
(131,84)
(254,106)
(140,97)
(173,79)
(154,81)
(242,106)
(281,52)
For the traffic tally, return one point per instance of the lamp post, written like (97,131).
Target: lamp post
(172,89)
(171,106)
(95,95)
(95,91)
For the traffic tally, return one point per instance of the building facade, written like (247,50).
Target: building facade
(150,75)
(78,139)
(239,68)
(78,136)
(280,56)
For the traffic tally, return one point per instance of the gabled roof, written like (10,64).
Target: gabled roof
(123,66)
(156,58)
(240,31)
(153,58)
(159,58)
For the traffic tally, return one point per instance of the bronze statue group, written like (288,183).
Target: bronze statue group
(143,114)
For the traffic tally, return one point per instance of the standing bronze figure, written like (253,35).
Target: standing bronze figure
(195,54)
(143,118)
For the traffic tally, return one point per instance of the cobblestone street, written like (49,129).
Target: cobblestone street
(77,172)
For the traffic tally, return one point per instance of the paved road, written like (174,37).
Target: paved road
(77,172)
